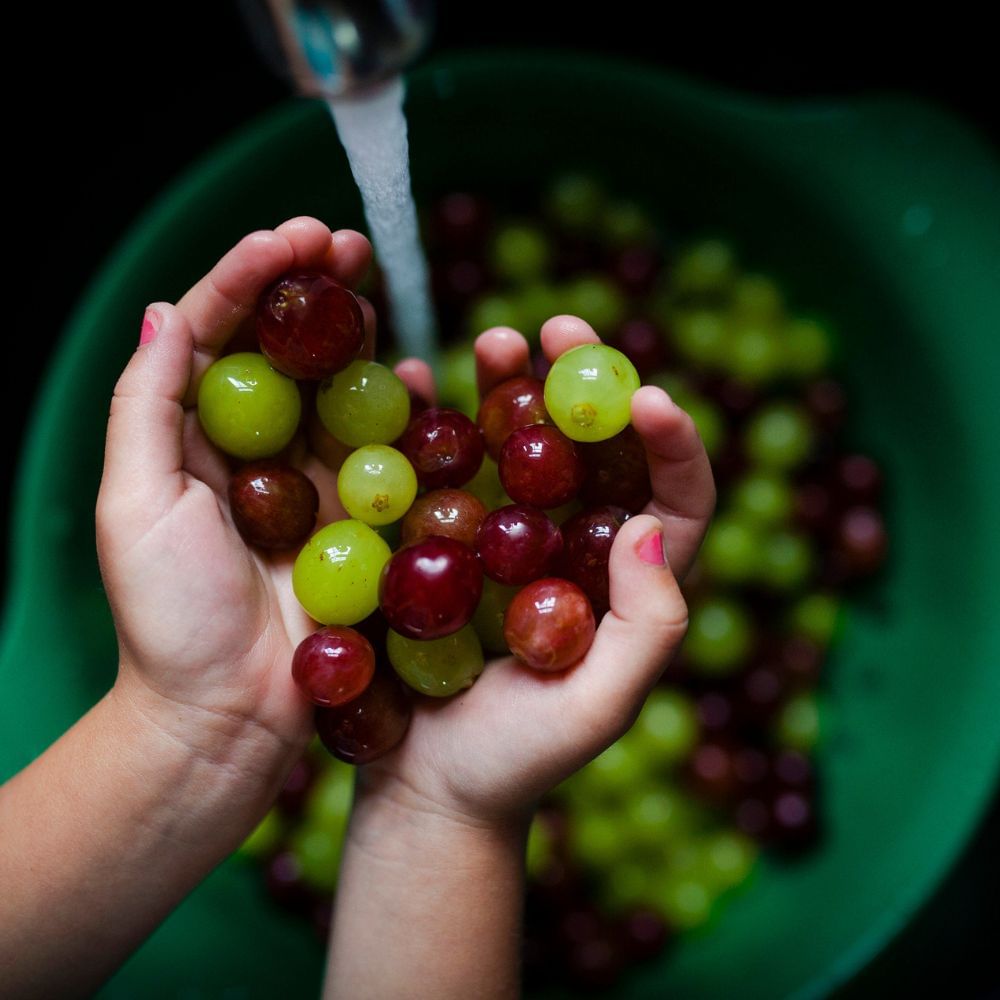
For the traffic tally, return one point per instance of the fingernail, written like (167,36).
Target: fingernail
(150,324)
(652,549)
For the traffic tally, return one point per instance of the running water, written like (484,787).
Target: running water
(372,129)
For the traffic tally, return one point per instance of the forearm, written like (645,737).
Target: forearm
(111,827)
(427,905)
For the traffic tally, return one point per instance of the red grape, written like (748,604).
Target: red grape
(518,544)
(461,221)
(641,341)
(587,540)
(452,513)
(549,624)
(444,447)
(540,466)
(274,505)
(370,725)
(860,541)
(431,588)
(333,665)
(518,402)
(617,472)
(309,326)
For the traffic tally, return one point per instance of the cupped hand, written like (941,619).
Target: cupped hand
(207,626)
(490,752)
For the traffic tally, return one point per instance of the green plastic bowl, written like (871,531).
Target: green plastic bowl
(880,213)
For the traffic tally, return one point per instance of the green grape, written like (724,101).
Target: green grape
(317,851)
(763,497)
(616,772)
(624,223)
(798,724)
(707,267)
(376,484)
(560,515)
(493,310)
(540,850)
(657,817)
(701,337)
(329,803)
(709,421)
(754,353)
(336,574)
(458,379)
(779,437)
(597,840)
(757,297)
(732,550)
(488,619)
(624,886)
(246,408)
(786,560)
(686,901)
(728,858)
(365,403)
(808,348)
(438,667)
(667,725)
(575,202)
(719,636)
(815,616)
(485,485)
(537,303)
(588,392)
(596,299)
(265,836)
(521,253)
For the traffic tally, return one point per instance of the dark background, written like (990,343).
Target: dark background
(114,107)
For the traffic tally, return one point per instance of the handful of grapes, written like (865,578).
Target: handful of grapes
(496,551)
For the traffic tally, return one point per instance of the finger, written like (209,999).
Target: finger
(561,333)
(144,457)
(202,459)
(501,353)
(348,257)
(418,378)
(679,472)
(636,638)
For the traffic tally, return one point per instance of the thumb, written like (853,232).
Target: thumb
(636,638)
(143,453)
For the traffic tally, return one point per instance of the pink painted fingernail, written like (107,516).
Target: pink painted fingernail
(150,324)
(652,549)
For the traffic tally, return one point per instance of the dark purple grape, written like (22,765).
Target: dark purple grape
(273,505)
(444,447)
(540,466)
(518,544)
(587,540)
(617,472)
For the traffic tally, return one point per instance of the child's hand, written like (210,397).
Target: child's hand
(207,626)
(489,753)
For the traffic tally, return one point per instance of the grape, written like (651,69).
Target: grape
(329,804)
(452,513)
(333,665)
(701,337)
(596,839)
(815,616)
(536,302)
(376,484)
(438,667)
(336,574)
(596,299)
(765,498)
(732,550)
(518,544)
(575,202)
(624,223)
(588,392)
(458,378)
(779,437)
(644,932)
(273,505)
(549,625)
(431,588)
(636,268)
(488,312)
(369,726)
(318,855)
(520,252)
(705,268)
(798,724)
(587,540)
(486,485)
(366,403)
(786,560)
(265,838)
(246,408)
(515,403)
(858,479)
(719,636)
(489,616)
(754,353)
(617,472)
(444,446)
(641,341)
(309,326)
(808,348)
(461,221)
(540,466)
(667,725)
(757,297)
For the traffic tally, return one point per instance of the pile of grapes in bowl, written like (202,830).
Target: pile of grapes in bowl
(521,498)
(817,755)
